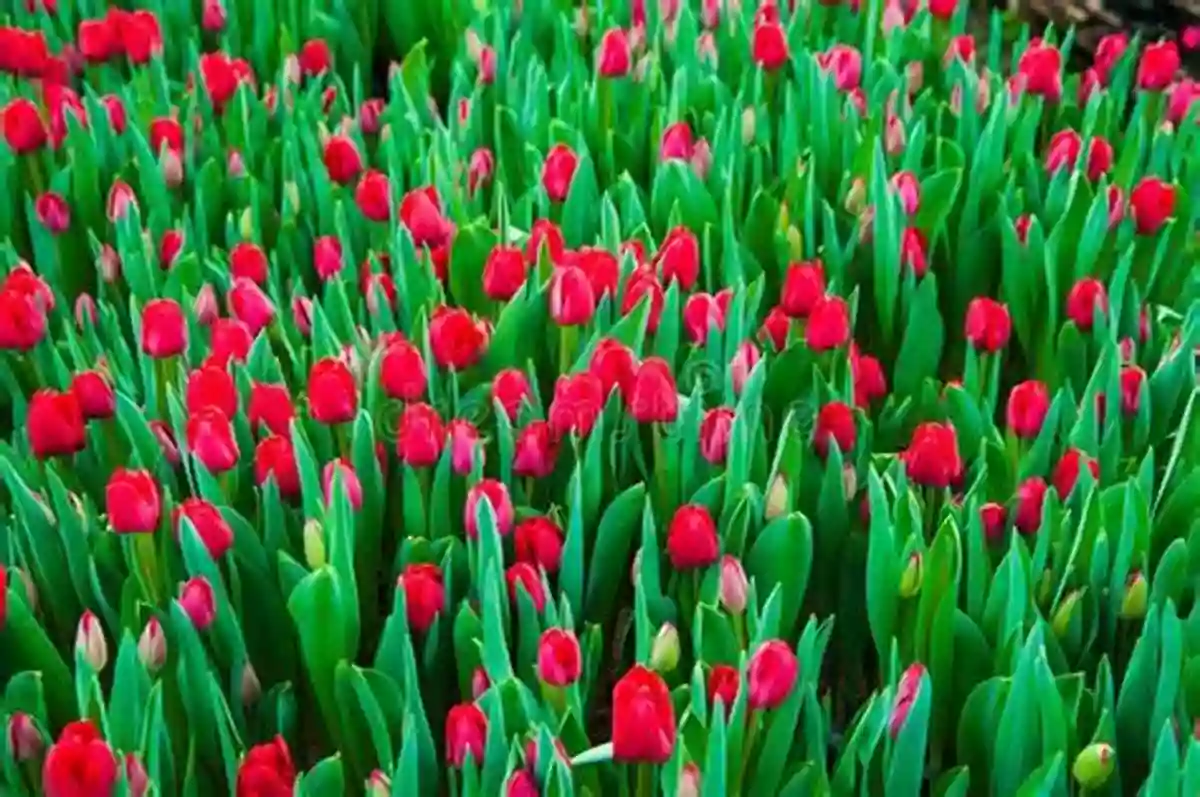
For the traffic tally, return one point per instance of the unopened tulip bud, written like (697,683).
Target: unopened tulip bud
(85,311)
(1137,591)
(581,22)
(702,159)
(291,69)
(748,126)
(379,784)
(152,645)
(235,165)
(479,683)
(246,223)
(856,197)
(849,481)
(913,575)
(689,781)
(135,775)
(664,653)
(1094,765)
(172,168)
(250,689)
(291,195)
(795,240)
(1061,622)
(314,545)
(205,306)
(25,742)
(706,49)
(894,136)
(198,602)
(302,314)
(906,695)
(635,570)
(90,642)
(777,498)
(733,585)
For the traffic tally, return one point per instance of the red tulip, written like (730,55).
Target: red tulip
(578,401)
(524,576)
(932,458)
(211,385)
(1087,296)
(772,674)
(1132,379)
(456,338)
(327,257)
(198,602)
(424,595)
(420,436)
(539,541)
(963,48)
(332,392)
(535,452)
(835,422)
(166,441)
(487,65)
(267,771)
(248,261)
(466,734)
(678,259)
(615,57)
(643,718)
(692,538)
(702,313)
(602,269)
(988,325)
(1183,97)
(94,394)
(1158,66)
(521,783)
(943,9)
(906,695)
(24,130)
(250,305)
(1066,472)
(55,424)
(715,431)
(1109,51)
(914,251)
(545,235)
(511,389)
(559,659)
(166,132)
(1028,404)
(653,397)
(638,287)
(676,143)
(210,525)
(504,273)
(374,196)
(613,363)
(275,457)
(52,212)
(210,438)
(572,301)
(775,328)
(22,320)
(97,40)
(844,62)
(465,446)
(343,471)
(212,17)
(1153,204)
(164,330)
(993,517)
(770,46)
(132,501)
(724,682)
(828,324)
(906,186)
(342,159)
(271,406)
(1040,69)
(558,171)
(869,380)
(496,495)
(1031,495)
(402,371)
(803,288)
(315,58)
(79,764)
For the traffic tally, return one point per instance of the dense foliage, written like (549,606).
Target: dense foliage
(524,398)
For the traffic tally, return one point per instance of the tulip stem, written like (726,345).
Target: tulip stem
(747,748)
(566,348)
(645,780)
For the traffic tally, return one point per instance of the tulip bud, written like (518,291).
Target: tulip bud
(1045,587)
(479,683)
(748,126)
(314,545)
(90,642)
(849,482)
(205,305)
(1094,765)
(689,781)
(250,688)
(135,775)
(635,570)
(198,602)
(664,653)
(777,498)
(291,194)
(733,585)
(856,197)
(913,575)
(85,311)
(379,784)
(152,645)
(1061,622)
(171,167)
(24,739)
(1133,604)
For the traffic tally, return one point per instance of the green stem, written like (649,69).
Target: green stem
(747,748)
(567,337)
(645,780)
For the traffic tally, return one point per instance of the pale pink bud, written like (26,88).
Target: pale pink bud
(198,602)
(90,642)
(702,159)
(85,310)
(152,645)
(135,775)
(24,739)
(302,313)
(479,683)
(109,263)
(733,585)
(378,784)
(205,306)
(250,688)
(235,166)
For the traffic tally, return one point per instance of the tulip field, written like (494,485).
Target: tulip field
(613,398)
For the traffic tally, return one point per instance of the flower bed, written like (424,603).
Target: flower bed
(681,398)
